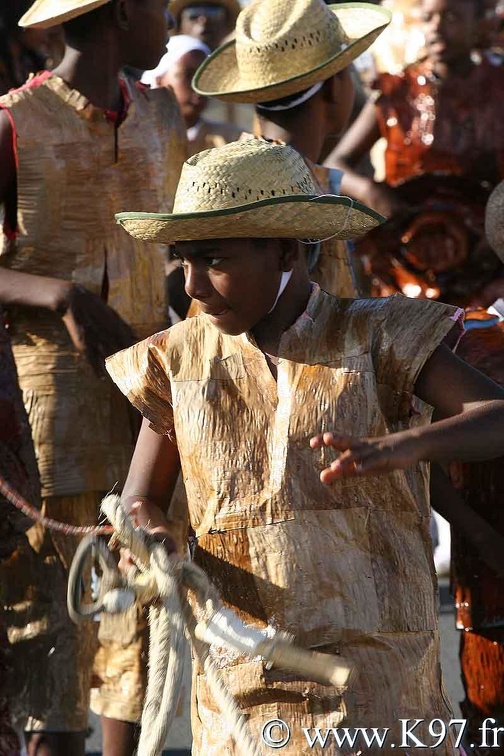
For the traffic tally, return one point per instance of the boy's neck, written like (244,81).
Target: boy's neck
(305,135)
(288,309)
(93,71)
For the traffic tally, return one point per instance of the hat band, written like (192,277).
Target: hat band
(297,101)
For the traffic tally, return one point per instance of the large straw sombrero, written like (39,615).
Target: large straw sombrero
(233,7)
(251,189)
(47,13)
(285,46)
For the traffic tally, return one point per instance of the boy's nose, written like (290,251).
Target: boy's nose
(197,285)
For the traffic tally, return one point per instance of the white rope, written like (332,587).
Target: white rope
(167,623)
(169,582)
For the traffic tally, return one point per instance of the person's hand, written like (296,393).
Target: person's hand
(96,330)
(380,197)
(363,457)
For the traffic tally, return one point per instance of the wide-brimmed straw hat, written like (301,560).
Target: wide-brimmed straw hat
(233,7)
(46,13)
(251,189)
(285,46)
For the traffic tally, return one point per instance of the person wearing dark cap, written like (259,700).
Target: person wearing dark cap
(210,21)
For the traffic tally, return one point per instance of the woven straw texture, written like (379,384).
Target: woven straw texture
(284,47)
(251,188)
(232,6)
(46,13)
(494,220)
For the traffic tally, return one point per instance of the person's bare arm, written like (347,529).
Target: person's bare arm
(354,144)
(151,481)
(471,426)
(7,158)
(95,329)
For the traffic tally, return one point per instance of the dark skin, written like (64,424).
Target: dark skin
(449,27)
(126,32)
(212,29)
(307,127)
(130,32)
(179,78)
(225,277)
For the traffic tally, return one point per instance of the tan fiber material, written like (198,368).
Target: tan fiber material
(251,188)
(345,568)
(233,7)
(333,270)
(69,231)
(286,46)
(46,13)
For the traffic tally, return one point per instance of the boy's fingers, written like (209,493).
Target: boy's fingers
(334,440)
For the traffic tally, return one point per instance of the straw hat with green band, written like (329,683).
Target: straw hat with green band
(286,46)
(251,189)
(46,13)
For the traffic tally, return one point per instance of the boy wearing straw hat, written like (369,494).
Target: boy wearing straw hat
(77,145)
(291,59)
(281,403)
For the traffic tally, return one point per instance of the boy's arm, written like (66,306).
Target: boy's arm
(150,485)
(471,408)
(352,147)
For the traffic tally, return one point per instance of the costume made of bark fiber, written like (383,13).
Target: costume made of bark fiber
(345,568)
(75,169)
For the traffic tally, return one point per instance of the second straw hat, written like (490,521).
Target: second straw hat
(286,46)
(46,13)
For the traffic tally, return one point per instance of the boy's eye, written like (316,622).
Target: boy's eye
(213,262)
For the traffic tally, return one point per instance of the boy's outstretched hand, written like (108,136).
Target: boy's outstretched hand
(368,456)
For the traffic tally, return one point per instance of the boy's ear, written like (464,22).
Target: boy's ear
(290,253)
(331,89)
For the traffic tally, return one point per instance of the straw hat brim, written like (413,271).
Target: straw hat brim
(290,217)
(46,13)
(219,75)
(232,6)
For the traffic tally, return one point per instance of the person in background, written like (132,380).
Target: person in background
(442,113)
(22,51)
(176,69)
(76,145)
(210,21)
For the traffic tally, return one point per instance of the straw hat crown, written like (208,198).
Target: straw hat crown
(284,46)
(266,38)
(250,189)
(251,170)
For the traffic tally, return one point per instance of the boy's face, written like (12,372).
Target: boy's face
(179,78)
(449,27)
(235,281)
